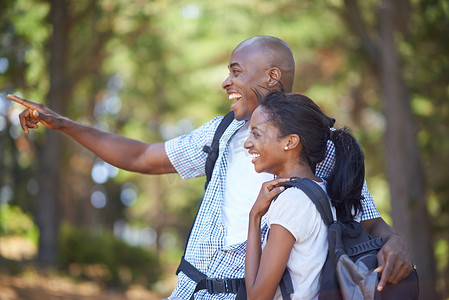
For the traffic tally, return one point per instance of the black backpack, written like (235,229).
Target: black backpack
(213,150)
(230,285)
(348,270)
(344,241)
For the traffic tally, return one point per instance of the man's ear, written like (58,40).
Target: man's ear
(274,74)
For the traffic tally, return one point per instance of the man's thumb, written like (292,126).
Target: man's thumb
(40,117)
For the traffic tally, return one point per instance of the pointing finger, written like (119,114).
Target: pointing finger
(24,102)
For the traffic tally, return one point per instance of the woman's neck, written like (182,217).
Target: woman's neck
(300,171)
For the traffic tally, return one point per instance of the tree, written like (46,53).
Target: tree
(69,63)
(403,163)
(169,61)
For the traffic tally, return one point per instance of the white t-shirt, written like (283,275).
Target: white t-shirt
(243,184)
(294,211)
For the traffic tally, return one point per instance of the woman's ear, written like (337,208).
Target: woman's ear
(274,74)
(294,141)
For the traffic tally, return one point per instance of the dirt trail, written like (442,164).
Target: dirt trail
(31,283)
(33,286)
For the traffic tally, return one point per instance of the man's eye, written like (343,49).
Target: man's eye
(235,72)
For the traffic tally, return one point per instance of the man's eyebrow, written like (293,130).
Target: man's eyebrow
(234,65)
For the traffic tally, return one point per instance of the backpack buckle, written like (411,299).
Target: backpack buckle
(216,286)
(207,149)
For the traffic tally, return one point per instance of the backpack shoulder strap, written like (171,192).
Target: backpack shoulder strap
(316,194)
(320,199)
(212,155)
(213,150)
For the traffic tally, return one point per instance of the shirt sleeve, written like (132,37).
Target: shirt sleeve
(186,152)
(323,170)
(294,211)
(369,210)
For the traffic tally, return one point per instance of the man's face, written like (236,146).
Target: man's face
(247,80)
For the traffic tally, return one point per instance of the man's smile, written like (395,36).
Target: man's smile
(235,96)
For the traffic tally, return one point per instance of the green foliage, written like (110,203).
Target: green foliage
(171,59)
(13,221)
(441,251)
(102,257)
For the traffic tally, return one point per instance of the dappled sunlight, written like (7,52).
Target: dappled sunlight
(16,247)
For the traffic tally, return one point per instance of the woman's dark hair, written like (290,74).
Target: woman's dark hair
(297,114)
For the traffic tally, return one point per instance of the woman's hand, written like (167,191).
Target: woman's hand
(268,191)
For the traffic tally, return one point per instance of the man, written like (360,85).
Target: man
(216,247)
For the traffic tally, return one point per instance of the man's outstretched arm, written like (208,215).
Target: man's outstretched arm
(122,152)
(394,258)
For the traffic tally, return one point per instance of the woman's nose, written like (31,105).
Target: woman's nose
(248,143)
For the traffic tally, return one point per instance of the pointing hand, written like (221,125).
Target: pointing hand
(36,113)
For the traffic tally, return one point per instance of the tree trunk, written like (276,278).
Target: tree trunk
(50,152)
(403,164)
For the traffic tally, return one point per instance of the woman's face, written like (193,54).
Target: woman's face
(264,144)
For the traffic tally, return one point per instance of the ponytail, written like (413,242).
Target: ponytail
(298,114)
(345,183)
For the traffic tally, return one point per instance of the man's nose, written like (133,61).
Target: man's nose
(227,83)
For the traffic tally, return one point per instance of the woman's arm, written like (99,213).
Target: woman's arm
(263,270)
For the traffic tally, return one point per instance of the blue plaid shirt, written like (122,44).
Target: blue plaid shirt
(206,248)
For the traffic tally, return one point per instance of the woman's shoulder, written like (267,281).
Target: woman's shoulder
(291,200)
(297,193)
(296,212)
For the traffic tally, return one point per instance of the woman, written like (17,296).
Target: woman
(288,138)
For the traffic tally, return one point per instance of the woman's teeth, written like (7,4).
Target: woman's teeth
(254,155)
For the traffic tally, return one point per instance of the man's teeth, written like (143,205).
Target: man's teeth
(254,155)
(235,96)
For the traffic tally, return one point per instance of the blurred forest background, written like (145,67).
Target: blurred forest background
(152,70)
